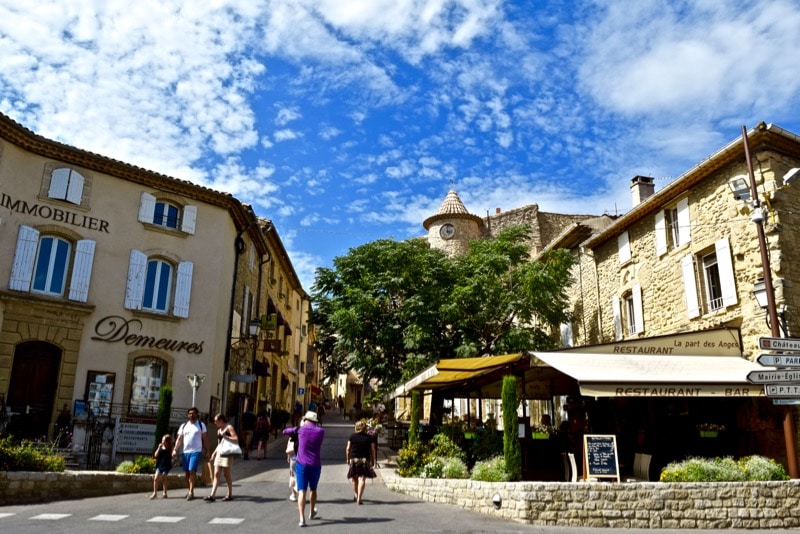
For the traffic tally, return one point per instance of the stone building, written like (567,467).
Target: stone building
(685,262)
(115,281)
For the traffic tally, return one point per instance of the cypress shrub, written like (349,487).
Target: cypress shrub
(162,416)
(511,449)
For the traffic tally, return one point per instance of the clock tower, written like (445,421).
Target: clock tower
(452,227)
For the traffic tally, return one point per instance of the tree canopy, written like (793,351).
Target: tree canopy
(388,309)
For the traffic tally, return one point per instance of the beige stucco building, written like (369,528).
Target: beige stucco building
(115,281)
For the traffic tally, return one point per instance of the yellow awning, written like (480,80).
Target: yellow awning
(451,372)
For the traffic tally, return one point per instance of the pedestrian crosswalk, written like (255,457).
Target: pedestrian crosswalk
(114,518)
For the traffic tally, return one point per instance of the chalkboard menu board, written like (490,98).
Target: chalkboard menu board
(600,456)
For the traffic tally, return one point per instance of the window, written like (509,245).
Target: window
(42,264)
(717,283)
(628,313)
(157,286)
(712,282)
(566,334)
(50,271)
(167,214)
(149,374)
(67,185)
(673,227)
(150,283)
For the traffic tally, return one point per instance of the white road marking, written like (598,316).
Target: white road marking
(108,517)
(6,515)
(226,521)
(51,517)
(165,519)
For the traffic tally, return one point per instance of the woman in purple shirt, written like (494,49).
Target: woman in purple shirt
(309,462)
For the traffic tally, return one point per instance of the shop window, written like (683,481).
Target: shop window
(42,263)
(167,214)
(151,281)
(148,375)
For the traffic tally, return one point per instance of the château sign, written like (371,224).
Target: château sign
(784,344)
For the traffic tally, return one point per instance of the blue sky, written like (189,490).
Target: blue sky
(345,121)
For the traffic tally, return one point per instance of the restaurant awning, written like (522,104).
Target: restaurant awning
(632,375)
(460,372)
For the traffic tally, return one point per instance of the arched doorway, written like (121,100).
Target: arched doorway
(32,389)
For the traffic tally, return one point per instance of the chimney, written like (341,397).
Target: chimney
(641,188)
(497,211)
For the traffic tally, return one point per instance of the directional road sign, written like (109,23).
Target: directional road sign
(779,360)
(785,402)
(781,390)
(784,344)
(769,376)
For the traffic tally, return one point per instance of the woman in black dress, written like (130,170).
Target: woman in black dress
(360,455)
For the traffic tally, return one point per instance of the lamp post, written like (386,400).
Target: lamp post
(195,380)
(772,309)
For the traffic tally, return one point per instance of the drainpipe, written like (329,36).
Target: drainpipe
(239,247)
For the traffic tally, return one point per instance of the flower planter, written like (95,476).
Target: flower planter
(540,435)
(709,433)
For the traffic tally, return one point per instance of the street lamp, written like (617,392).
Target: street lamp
(769,293)
(195,380)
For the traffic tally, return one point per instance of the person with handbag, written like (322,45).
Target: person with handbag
(360,455)
(223,455)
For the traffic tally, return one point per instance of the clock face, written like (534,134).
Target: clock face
(447,231)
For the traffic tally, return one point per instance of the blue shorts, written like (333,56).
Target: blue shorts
(162,470)
(307,476)
(191,461)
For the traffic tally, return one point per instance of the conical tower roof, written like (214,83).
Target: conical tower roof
(451,208)
(452,204)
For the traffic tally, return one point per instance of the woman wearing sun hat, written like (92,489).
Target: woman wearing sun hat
(309,462)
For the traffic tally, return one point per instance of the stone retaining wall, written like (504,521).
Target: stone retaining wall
(744,505)
(24,487)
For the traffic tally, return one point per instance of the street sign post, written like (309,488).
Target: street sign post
(782,390)
(769,376)
(784,344)
(779,360)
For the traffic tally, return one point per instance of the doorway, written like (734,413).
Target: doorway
(32,389)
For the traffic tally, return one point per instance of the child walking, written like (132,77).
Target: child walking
(163,456)
(291,457)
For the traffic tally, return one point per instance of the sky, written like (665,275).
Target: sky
(347,121)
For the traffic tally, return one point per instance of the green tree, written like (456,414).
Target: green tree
(162,416)
(390,309)
(511,449)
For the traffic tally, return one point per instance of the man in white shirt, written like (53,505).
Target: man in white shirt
(192,435)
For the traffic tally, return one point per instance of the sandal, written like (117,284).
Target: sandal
(209,498)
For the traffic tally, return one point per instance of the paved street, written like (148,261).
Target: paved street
(261,504)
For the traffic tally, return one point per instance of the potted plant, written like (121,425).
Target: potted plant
(710,430)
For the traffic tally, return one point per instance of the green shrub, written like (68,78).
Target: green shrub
(760,468)
(445,467)
(491,470)
(29,456)
(141,465)
(443,446)
(723,470)
(411,459)
(511,447)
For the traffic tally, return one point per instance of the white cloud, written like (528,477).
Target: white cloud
(286,135)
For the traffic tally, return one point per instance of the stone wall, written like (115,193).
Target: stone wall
(715,505)
(24,487)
